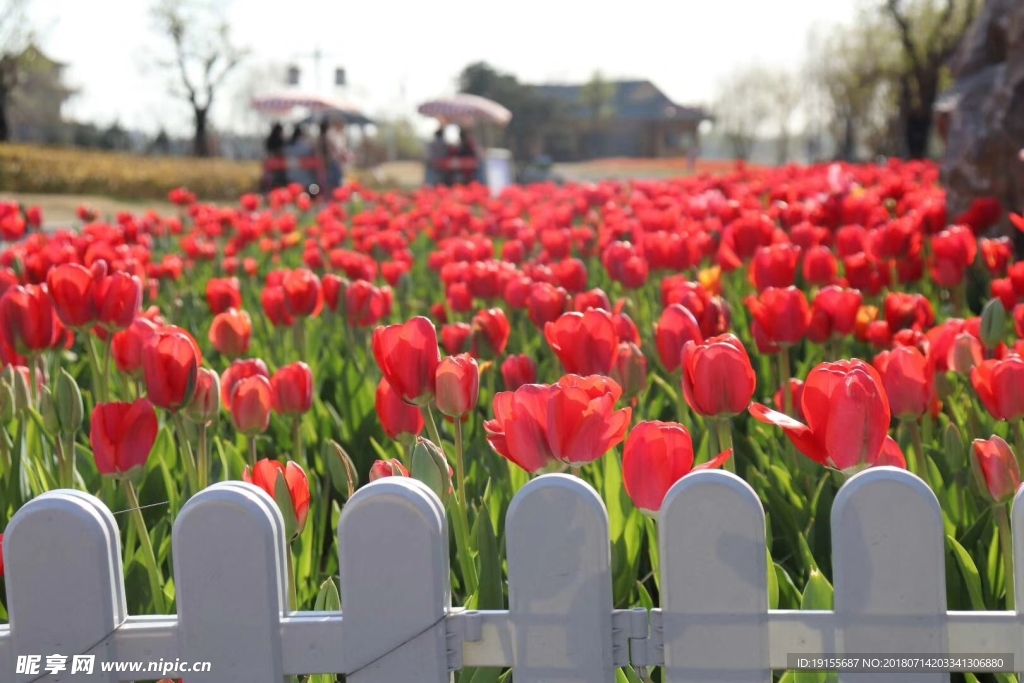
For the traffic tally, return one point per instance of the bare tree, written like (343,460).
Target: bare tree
(742,108)
(204,56)
(251,81)
(929,32)
(14,37)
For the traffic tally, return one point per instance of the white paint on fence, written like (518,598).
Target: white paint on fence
(65,589)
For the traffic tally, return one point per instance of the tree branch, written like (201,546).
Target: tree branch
(905,37)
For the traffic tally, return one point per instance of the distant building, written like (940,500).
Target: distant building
(618,119)
(37,103)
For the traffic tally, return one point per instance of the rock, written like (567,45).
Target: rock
(982,116)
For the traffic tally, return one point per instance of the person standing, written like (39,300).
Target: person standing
(275,166)
(437,150)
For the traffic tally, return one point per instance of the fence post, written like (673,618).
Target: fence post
(560,582)
(65,585)
(888,549)
(230,585)
(714,581)
(1017,530)
(395,583)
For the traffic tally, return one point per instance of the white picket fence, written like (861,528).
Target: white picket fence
(65,589)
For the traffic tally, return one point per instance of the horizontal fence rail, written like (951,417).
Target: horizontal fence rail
(65,589)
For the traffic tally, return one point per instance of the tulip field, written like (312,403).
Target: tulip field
(793,326)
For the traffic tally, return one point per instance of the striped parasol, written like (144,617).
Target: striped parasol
(466,108)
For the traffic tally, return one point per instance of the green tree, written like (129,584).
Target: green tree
(14,38)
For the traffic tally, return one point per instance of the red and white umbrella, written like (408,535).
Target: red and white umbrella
(284,101)
(466,108)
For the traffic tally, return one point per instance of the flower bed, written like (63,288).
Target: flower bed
(793,326)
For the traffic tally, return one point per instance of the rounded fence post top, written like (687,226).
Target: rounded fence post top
(557,481)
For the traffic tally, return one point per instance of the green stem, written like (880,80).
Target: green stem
(297,445)
(462,504)
(299,337)
(785,373)
(106,368)
(724,428)
(156,579)
(681,402)
(432,427)
(66,448)
(293,596)
(185,450)
(711,428)
(1018,433)
(252,452)
(94,367)
(1006,548)
(204,458)
(920,460)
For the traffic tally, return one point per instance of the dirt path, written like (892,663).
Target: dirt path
(60,209)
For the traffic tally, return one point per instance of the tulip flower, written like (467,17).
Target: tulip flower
(223,294)
(236,372)
(656,456)
(491,331)
(388,468)
(250,405)
(118,300)
(718,380)
(454,337)
(265,474)
(127,346)
(292,387)
(303,296)
(28,323)
(457,385)
(397,417)
(518,370)
(833,314)
(630,371)
(272,299)
(170,367)
(518,431)
(1000,386)
(230,332)
(205,405)
(774,266)
(908,377)
(585,343)
(676,327)
(73,289)
(782,314)
(365,304)
(408,356)
(582,422)
(998,466)
(122,436)
(847,415)
(796,389)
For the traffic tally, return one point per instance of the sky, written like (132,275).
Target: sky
(398,53)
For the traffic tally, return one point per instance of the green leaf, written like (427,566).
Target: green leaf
(284,501)
(773,583)
(818,593)
(969,572)
(490,595)
(328,599)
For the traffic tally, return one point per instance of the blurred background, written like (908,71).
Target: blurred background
(595,90)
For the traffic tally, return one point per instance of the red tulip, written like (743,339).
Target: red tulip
(796,390)
(595,298)
(908,377)
(454,337)
(408,356)
(265,475)
(833,314)
(718,380)
(205,405)
(127,346)
(1000,386)
(28,323)
(292,388)
(303,296)
(250,404)
(630,371)
(674,329)
(388,468)
(774,266)
(585,343)
(545,303)
(582,422)
(118,300)
(222,294)
(272,300)
(781,314)
(170,367)
(230,332)
(517,371)
(847,414)
(236,372)
(366,305)
(820,266)
(73,290)
(458,385)
(518,431)
(656,456)
(491,331)
(1018,319)
(913,311)
(998,466)
(122,435)
(395,415)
